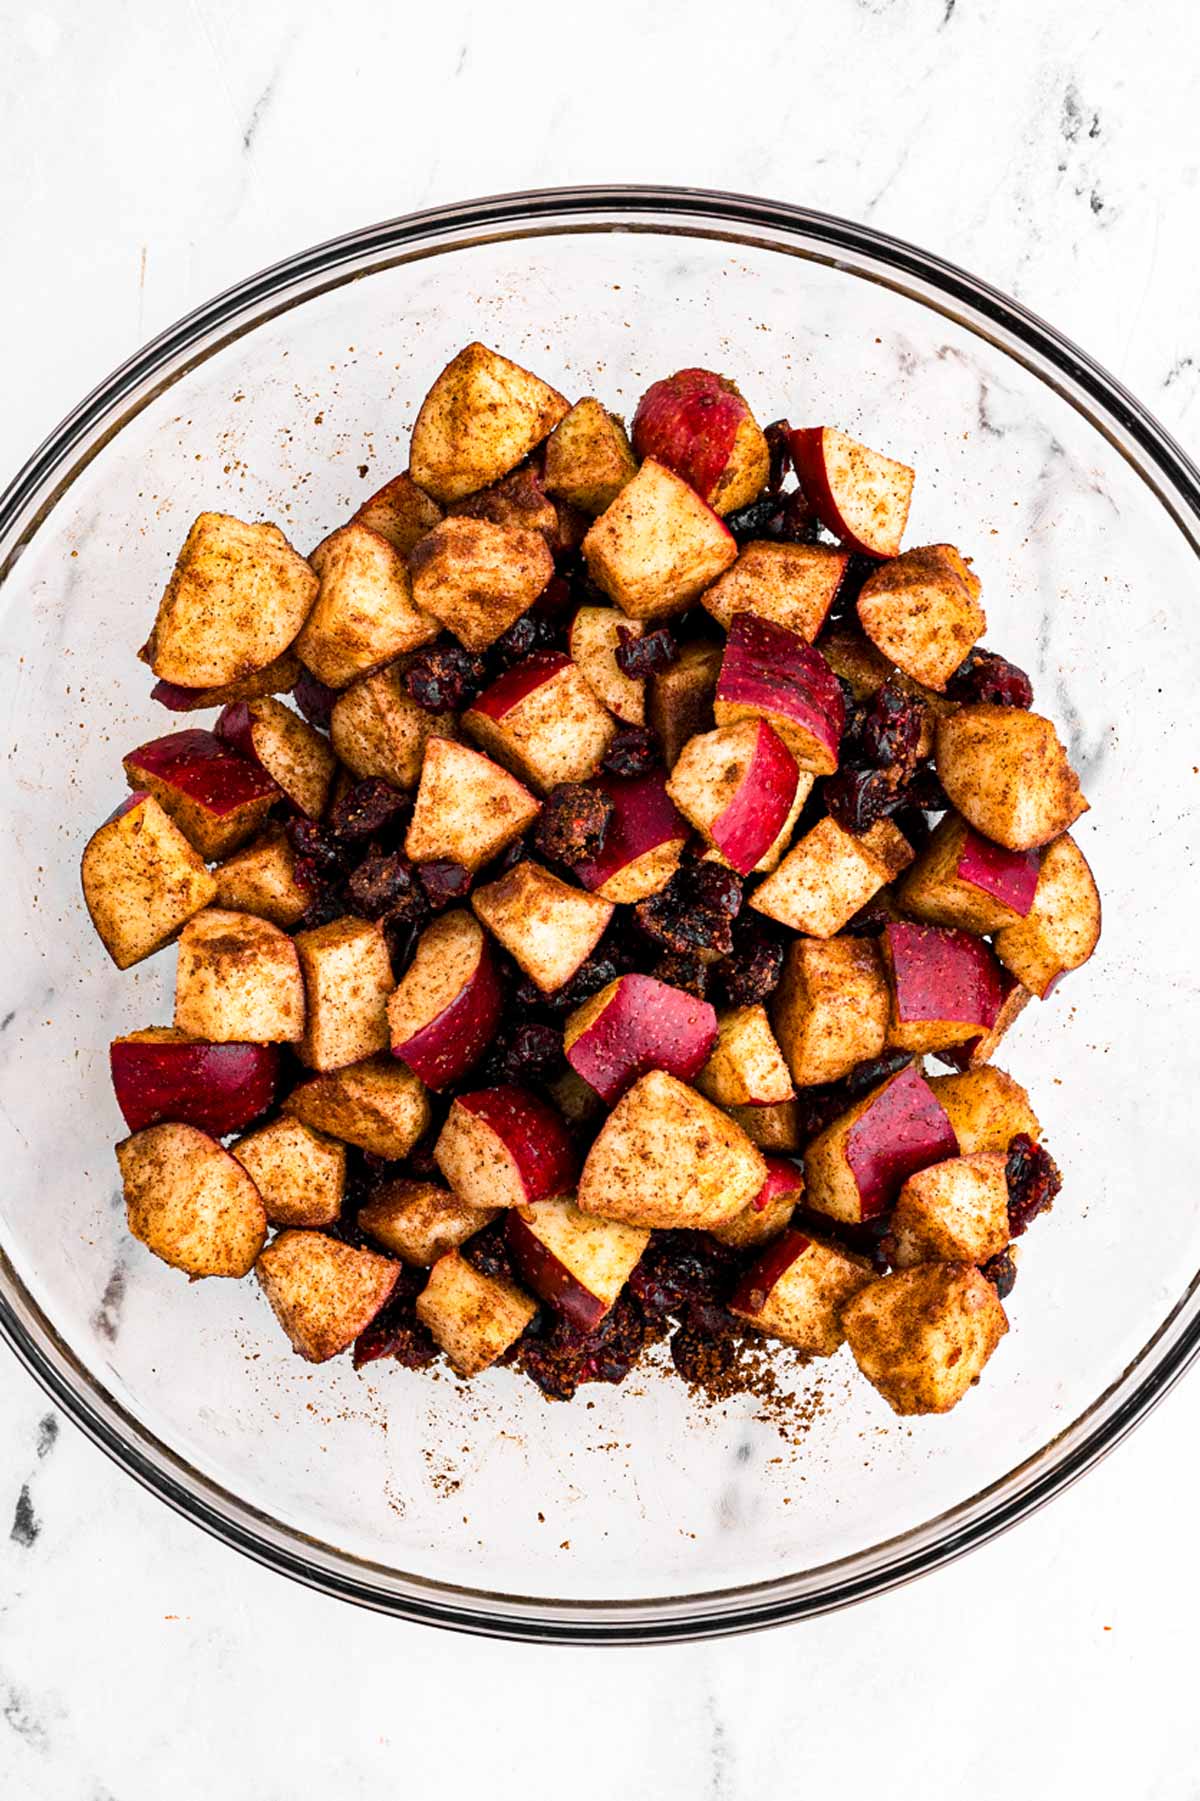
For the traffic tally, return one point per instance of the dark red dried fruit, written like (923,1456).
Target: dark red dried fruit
(890,731)
(572,823)
(925,791)
(558,1357)
(1001,1272)
(682,971)
(682,1274)
(694,912)
(779,447)
(1033,1181)
(752,970)
(871,918)
(314,701)
(984,678)
(487,1252)
(530,1053)
(444,883)
(317,849)
(595,973)
(386,887)
(645,656)
(532,631)
(444,678)
(396,1332)
(328,904)
(369,808)
(858,798)
(634,751)
(868,1075)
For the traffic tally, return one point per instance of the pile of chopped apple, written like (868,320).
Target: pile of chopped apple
(561,964)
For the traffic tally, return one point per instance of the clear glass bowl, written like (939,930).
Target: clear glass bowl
(634,1513)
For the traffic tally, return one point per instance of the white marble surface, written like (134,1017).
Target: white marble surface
(156,153)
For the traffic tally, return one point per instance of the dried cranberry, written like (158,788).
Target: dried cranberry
(444,883)
(386,887)
(314,700)
(891,730)
(444,678)
(858,798)
(529,1053)
(328,904)
(370,807)
(925,791)
(867,1075)
(593,974)
(558,1357)
(316,847)
(682,1273)
(817,1108)
(1001,1272)
(645,656)
(487,1252)
(872,916)
(754,521)
(396,1332)
(681,971)
(858,570)
(532,631)
(1033,1181)
(986,678)
(695,911)
(634,751)
(779,447)
(572,823)
(752,970)
(401,936)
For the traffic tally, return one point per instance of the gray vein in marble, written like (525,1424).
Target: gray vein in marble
(720,1756)
(8,1019)
(258,113)
(47,1438)
(107,1317)
(1086,756)
(17,1711)
(26,1527)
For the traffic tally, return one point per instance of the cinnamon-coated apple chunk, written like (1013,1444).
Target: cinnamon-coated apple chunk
(378,1105)
(769,1211)
(549,927)
(142,880)
(768,672)
(643,841)
(471,1317)
(1061,928)
(742,790)
(975,1052)
(238,981)
(295,756)
(922,1336)
(588,457)
(477,577)
(680,699)
(830,874)
(946,985)
(796,1291)
(236,599)
(347,981)
(162,1074)
(467,808)
(576,1264)
(446,1007)
(854,1169)
(420,1221)
(596,635)
(481,417)
(377,729)
(520,499)
(792,584)
(323,1292)
(300,1174)
(922,611)
(400,512)
(217,798)
(667,1157)
(262,879)
(657,546)
(775,1128)
(987,1109)
(1008,775)
(746,1067)
(961,879)
(698,424)
(542,721)
(858,494)
(952,1212)
(634,1024)
(364,613)
(190,1202)
(830,1010)
(505,1147)
(278,677)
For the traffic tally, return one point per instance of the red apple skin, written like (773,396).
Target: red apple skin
(511,688)
(755,816)
(809,461)
(177,699)
(205,768)
(783,1177)
(1009,876)
(646,1025)
(532,1133)
(218,1088)
(644,816)
(551,1281)
(444,1049)
(314,701)
(756,1283)
(235,725)
(131,801)
(766,665)
(906,1129)
(958,1056)
(941,972)
(688,422)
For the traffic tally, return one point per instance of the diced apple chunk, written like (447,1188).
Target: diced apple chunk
(364,613)
(190,1202)
(238,981)
(578,1265)
(1008,775)
(961,879)
(378,1105)
(548,926)
(741,788)
(1062,927)
(697,423)
(774,1128)
(142,880)
(323,1292)
(447,1004)
(262,879)
(588,457)
(746,1067)
(854,1168)
(796,1291)
(667,1157)
(467,808)
(595,637)
(217,798)
(278,677)
(481,417)
(768,672)
(946,985)
(831,1008)
(860,495)
(770,1210)
(830,874)
(922,611)
(420,1221)
(542,721)
(792,584)
(477,578)
(505,1147)
(952,1212)
(986,1108)
(161,1074)
(300,1174)
(347,981)
(400,512)
(633,1024)
(292,753)
(978,1051)
(680,700)
(657,546)
(922,1336)
(472,1318)
(643,843)
(378,730)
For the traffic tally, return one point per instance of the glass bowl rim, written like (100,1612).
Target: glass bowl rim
(46,476)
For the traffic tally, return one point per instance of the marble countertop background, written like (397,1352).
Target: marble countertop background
(154,153)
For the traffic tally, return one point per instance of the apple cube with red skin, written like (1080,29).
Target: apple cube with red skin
(946,985)
(952,1212)
(541,720)
(364,613)
(830,1010)
(770,1210)
(986,1108)
(347,980)
(922,611)
(473,1318)
(1008,775)
(657,546)
(776,1128)
(377,729)
(791,584)
(697,424)
(520,499)
(830,874)
(588,457)
(477,578)
(922,1336)
(142,880)
(300,1174)
(218,1088)
(769,673)
(1061,928)
(796,1291)
(576,1264)
(549,927)
(190,1202)
(482,416)
(400,512)
(643,842)
(680,699)
(667,1157)
(447,1005)
(420,1221)
(289,750)
(858,494)
(238,981)
(279,676)
(746,1067)
(505,1147)
(262,879)
(854,1169)
(596,635)
(635,1024)
(217,798)
(323,1292)
(378,1105)
(741,788)
(961,879)
(236,599)
(467,808)
(975,1052)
